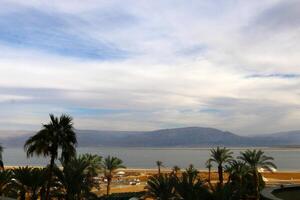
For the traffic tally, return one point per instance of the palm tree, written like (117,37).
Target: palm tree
(208,165)
(5,178)
(236,170)
(238,176)
(221,156)
(190,187)
(256,159)
(1,161)
(57,134)
(74,180)
(109,165)
(175,170)
(159,164)
(28,180)
(95,163)
(161,187)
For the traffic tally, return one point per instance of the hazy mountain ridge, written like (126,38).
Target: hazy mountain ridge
(176,137)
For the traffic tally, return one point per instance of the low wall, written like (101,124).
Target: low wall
(268,193)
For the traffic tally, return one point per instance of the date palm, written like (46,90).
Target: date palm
(190,187)
(74,180)
(175,170)
(94,161)
(238,176)
(208,165)
(161,187)
(29,181)
(57,134)
(109,165)
(5,178)
(159,164)
(256,159)
(236,170)
(1,161)
(221,156)
(94,167)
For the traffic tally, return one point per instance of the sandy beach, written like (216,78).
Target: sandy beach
(275,178)
(121,183)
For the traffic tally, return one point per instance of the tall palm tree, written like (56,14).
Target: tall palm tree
(159,164)
(57,134)
(161,187)
(109,165)
(221,156)
(1,161)
(256,159)
(208,165)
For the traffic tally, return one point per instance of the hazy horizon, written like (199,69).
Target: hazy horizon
(3,133)
(148,65)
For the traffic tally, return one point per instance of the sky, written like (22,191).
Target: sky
(146,65)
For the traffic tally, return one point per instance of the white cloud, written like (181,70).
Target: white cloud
(187,64)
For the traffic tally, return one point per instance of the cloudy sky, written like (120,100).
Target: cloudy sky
(144,65)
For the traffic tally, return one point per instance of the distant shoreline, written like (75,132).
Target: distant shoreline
(186,148)
(154,170)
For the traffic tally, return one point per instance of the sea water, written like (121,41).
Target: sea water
(284,158)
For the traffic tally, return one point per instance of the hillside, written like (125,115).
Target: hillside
(288,138)
(176,137)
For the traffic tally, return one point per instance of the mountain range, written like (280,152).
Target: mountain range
(176,137)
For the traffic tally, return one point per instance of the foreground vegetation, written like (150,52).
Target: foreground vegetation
(75,179)
(244,180)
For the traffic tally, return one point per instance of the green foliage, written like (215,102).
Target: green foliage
(28,180)
(190,187)
(161,187)
(109,165)
(256,159)
(221,156)
(75,181)
(5,180)
(57,134)
(95,163)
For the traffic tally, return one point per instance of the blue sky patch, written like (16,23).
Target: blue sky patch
(51,33)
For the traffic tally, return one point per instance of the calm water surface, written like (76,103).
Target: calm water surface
(285,159)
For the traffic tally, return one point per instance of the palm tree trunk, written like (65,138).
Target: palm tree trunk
(209,171)
(108,186)
(256,182)
(220,172)
(50,177)
(158,170)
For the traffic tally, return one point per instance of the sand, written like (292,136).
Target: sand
(275,178)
